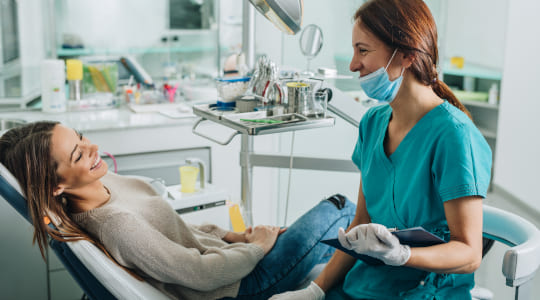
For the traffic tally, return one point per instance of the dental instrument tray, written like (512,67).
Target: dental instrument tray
(258,123)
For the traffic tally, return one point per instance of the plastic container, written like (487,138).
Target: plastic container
(231,88)
(247,103)
(53,78)
(188,178)
(493,94)
(298,97)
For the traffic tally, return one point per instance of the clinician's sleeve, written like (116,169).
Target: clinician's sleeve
(357,153)
(462,163)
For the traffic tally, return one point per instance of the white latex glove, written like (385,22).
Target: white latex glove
(376,241)
(312,292)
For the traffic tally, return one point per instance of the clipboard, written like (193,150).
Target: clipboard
(414,237)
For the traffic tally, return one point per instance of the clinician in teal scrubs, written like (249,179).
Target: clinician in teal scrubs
(422,161)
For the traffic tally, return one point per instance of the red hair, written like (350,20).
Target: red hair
(407,25)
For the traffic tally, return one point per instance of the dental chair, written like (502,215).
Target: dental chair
(522,260)
(100,278)
(97,275)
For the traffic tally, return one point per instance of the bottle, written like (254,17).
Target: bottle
(74,75)
(493,94)
(241,65)
(53,78)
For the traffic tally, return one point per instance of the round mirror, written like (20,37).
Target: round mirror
(311,42)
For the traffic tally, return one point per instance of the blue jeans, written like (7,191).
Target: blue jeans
(297,251)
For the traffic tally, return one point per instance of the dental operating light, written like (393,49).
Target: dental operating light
(286,15)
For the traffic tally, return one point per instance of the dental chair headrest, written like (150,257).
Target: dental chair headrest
(4,172)
(12,192)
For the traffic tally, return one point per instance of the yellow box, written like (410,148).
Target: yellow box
(457,61)
(237,221)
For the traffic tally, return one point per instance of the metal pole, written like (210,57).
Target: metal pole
(51,24)
(246,149)
(248,33)
(338,112)
(217,12)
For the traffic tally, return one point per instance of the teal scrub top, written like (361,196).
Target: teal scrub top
(443,157)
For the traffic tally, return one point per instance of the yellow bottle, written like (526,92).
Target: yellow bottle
(74,76)
(74,69)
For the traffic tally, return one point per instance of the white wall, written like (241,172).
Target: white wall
(335,20)
(31,32)
(113,24)
(472,29)
(476,31)
(517,164)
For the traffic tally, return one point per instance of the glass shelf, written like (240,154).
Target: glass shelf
(479,104)
(468,70)
(151,50)
(472,70)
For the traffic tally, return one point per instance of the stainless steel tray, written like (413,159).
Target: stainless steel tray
(287,122)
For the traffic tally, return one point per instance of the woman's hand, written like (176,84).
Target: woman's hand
(263,236)
(375,240)
(235,237)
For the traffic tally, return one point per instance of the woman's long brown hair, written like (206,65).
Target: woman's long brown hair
(26,152)
(407,25)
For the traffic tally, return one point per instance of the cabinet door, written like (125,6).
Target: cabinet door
(63,286)
(160,164)
(23,274)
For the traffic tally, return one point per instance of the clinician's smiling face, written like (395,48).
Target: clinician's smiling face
(79,163)
(370,53)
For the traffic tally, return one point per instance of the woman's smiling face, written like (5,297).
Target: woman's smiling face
(370,53)
(79,163)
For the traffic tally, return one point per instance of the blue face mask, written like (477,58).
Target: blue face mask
(378,86)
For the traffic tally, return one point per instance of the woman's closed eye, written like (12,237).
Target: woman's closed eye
(80,151)
(79,156)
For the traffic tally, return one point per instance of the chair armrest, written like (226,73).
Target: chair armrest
(522,260)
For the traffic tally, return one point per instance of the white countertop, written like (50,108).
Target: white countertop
(100,120)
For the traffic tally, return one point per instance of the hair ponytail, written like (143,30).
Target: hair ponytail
(443,91)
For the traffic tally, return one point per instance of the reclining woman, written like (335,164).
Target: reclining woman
(65,180)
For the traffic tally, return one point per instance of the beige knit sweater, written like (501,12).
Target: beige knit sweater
(144,233)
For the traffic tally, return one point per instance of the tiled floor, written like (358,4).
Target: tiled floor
(489,275)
